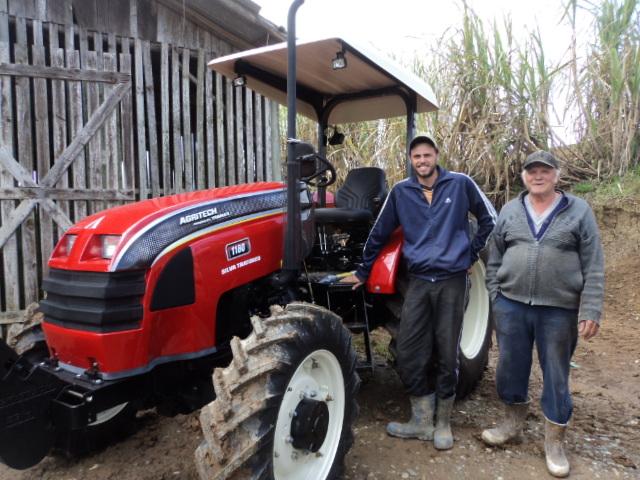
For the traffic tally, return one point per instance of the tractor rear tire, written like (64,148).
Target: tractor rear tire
(285,406)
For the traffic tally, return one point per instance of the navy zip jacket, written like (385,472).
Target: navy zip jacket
(437,243)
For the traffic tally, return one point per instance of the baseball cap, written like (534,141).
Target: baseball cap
(541,157)
(422,139)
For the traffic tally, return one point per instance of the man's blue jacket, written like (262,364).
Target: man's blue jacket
(437,242)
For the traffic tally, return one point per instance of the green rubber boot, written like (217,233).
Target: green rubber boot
(442,437)
(420,425)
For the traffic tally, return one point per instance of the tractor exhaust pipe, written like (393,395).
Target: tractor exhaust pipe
(293,241)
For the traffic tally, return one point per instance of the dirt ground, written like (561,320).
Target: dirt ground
(603,439)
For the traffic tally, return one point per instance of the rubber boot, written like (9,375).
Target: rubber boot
(557,462)
(420,425)
(442,437)
(510,429)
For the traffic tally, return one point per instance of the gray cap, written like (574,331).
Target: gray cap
(422,139)
(541,157)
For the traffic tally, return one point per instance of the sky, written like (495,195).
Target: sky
(404,27)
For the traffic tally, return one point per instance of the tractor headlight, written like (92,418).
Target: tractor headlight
(63,249)
(108,244)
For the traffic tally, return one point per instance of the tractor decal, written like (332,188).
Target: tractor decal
(154,239)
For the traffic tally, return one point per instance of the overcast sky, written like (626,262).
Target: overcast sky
(404,27)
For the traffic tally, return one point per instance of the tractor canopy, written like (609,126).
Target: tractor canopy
(336,80)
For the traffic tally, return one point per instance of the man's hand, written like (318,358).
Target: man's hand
(588,329)
(352,279)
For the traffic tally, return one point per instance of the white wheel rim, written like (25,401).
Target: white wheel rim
(108,414)
(476,316)
(319,377)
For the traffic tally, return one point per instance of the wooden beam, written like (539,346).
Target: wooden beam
(55,73)
(16,218)
(36,192)
(7,318)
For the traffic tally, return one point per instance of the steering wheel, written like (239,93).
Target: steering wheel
(323,181)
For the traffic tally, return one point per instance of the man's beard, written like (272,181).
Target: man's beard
(429,174)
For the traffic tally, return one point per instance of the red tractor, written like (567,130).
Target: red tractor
(191,301)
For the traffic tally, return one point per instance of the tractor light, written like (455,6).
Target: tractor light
(108,244)
(101,247)
(339,62)
(64,246)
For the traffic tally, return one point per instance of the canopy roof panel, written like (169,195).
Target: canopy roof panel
(369,88)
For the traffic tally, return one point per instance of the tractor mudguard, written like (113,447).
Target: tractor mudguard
(26,427)
(385,269)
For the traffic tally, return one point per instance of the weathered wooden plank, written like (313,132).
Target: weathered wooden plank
(209,128)
(76,113)
(94,164)
(231,147)
(141,134)
(10,249)
(201,158)
(41,124)
(176,117)
(25,157)
(268,133)
(111,143)
(220,150)
(241,155)
(250,152)
(34,192)
(127,172)
(164,119)
(259,138)
(83,137)
(152,133)
(59,109)
(186,121)
(57,73)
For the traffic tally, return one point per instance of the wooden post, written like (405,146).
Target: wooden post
(250,152)
(241,156)
(126,114)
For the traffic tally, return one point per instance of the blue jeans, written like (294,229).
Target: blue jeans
(555,332)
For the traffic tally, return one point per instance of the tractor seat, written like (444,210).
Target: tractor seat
(359,198)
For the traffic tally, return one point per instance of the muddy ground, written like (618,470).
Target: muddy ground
(603,439)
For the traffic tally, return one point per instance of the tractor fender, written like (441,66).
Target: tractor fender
(384,272)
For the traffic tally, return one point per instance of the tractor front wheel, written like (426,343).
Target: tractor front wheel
(285,406)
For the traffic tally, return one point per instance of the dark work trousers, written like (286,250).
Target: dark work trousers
(554,331)
(429,336)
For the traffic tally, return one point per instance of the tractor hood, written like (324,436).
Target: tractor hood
(348,92)
(133,236)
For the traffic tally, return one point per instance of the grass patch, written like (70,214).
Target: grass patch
(625,187)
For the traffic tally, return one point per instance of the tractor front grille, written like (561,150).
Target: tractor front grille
(95,301)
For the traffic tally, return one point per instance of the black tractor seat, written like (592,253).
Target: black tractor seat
(359,198)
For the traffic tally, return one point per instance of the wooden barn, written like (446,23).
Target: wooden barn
(110,101)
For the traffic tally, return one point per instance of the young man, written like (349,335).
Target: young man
(546,278)
(432,207)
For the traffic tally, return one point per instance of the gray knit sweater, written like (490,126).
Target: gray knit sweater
(565,268)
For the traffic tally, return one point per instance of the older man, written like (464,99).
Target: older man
(545,275)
